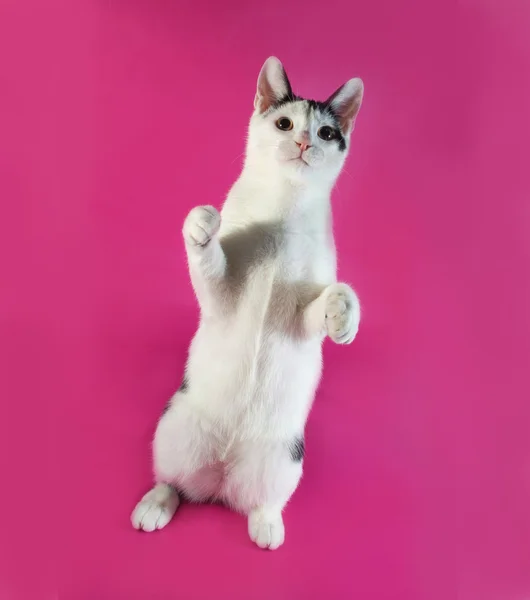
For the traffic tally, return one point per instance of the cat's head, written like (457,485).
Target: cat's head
(300,138)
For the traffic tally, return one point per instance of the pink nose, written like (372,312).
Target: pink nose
(303,146)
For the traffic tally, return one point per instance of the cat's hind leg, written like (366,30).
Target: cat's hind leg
(184,460)
(259,483)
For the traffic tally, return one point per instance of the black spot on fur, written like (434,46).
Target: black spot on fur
(184,385)
(319,106)
(316,105)
(297,449)
(288,98)
(327,110)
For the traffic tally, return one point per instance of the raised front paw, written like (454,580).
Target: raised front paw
(343,313)
(201,224)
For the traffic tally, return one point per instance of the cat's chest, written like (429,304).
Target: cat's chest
(292,264)
(304,258)
(290,277)
(260,258)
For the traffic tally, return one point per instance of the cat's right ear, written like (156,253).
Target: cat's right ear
(273,85)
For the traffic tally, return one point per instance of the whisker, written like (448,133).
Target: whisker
(348,173)
(238,156)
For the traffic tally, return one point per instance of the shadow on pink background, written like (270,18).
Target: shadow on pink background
(116,117)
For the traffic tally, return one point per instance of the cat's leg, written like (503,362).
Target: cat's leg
(259,483)
(156,508)
(206,259)
(183,452)
(336,313)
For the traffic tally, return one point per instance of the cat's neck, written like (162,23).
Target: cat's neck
(266,196)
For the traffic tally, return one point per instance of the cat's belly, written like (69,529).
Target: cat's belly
(252,379)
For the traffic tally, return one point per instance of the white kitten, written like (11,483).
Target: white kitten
(264,272)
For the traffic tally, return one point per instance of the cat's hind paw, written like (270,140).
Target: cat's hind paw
(156,509)
(267,531)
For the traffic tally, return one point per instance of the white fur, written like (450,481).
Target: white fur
(264,272)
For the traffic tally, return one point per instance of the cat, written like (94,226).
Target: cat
(264,273)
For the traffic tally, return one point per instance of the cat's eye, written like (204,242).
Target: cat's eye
(327,133)
(284,123)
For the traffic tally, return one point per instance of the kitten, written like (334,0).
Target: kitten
(264,273)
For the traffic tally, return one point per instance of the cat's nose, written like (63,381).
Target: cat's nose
(304,140)
(303,146)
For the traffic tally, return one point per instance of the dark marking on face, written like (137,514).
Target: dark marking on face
(328,111)
(297,449)
(323,107)
(287,99)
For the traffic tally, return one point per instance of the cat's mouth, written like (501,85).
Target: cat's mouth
(300,160)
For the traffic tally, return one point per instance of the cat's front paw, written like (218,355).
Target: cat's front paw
(201,225)
(343,313)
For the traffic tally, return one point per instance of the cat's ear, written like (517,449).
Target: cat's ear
(273,85)
(346,102)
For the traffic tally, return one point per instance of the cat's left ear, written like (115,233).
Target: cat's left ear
(346,102)
(273,85)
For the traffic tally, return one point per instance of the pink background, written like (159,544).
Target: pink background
(118,116)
